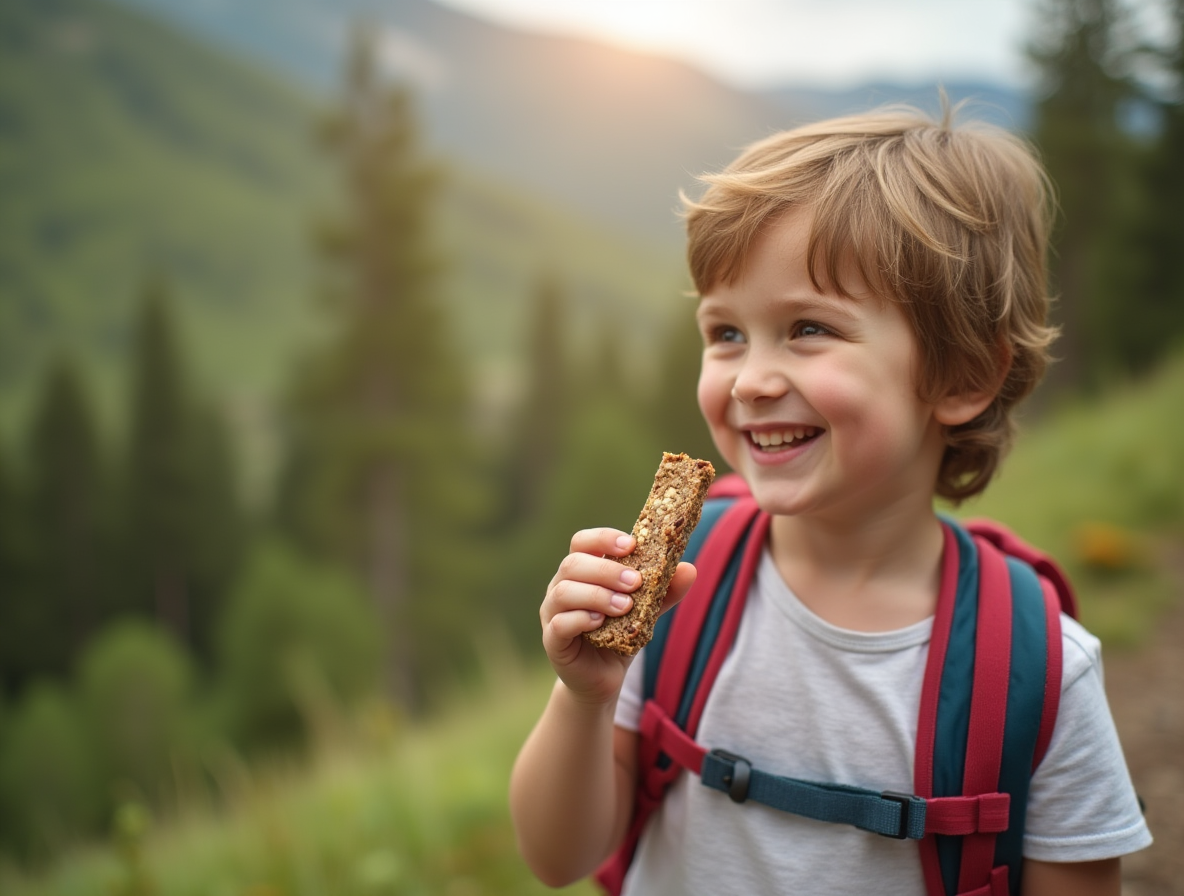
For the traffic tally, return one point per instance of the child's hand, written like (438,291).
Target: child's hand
(590,585)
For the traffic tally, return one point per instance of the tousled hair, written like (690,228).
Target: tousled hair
(951,223)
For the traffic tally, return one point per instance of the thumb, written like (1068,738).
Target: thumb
(684,577)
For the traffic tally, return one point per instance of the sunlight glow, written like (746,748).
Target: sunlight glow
(763,42)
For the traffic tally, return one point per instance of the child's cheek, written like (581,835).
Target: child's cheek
(714,394)
(859,413)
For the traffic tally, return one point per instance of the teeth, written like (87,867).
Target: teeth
(784,437)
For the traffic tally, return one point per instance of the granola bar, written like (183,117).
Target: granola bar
(670,515)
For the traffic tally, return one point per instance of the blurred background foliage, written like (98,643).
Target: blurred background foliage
(300,404)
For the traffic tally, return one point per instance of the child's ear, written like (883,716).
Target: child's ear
(961,407)
(956,408)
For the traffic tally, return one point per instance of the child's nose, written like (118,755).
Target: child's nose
(761,378)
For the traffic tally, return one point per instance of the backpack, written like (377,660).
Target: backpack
(989,700)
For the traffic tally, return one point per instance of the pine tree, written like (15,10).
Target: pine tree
(544,411)
(16,659)
(217,529)
(377,472)
(184,528)
(158,484)
(1157,324)
(1083,56)
(65,509)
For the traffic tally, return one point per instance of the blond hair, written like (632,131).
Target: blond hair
(950,223)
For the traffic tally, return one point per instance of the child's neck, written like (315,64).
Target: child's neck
(881,573)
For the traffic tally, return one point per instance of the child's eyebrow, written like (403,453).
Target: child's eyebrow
(842,307)
(798,304)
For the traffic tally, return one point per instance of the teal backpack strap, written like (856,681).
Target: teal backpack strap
(991,690)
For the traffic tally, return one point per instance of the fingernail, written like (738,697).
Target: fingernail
(621,601)
(595,617)
(624,542)
(629,577)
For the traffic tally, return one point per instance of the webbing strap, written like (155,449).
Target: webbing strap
(891,814)
(898,815)
(995,886)
(961,815)
(668,738)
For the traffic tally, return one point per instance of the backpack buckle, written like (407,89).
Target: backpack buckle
(738,778)
(906,804)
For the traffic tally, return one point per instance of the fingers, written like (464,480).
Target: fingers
(602,542)
(588,586)
(572,608)
(595,584)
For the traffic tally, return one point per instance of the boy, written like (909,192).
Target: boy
(872,305)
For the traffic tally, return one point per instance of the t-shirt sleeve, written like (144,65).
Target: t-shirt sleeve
(1082,806)
(628,714)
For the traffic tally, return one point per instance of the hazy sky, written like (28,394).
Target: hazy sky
(827,42)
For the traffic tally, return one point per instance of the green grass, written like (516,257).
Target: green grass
(415,810)
(1100,485)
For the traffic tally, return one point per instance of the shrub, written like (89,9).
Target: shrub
(295,634)
(48,791)
(136,687)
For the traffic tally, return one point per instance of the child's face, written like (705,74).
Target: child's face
(810,395)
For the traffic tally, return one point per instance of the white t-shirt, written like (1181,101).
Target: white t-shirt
(800,697)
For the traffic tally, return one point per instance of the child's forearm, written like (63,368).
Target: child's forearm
(569,799)
(1103,878)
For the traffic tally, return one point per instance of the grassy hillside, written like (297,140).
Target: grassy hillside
(128,150)
(419,811)
(1100,485)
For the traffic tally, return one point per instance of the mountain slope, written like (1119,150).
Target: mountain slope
(612,133)
(129,150)
(128,153)
(999,105)
(609,132)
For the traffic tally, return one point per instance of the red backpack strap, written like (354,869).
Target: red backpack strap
(1059,597)
(990,695)
(1014,546)
(687,652)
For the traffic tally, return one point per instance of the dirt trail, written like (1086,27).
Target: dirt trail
(1146,692)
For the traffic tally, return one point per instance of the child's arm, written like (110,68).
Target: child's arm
(571,791)
(1102,878)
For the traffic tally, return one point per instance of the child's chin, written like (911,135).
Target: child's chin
(776,499)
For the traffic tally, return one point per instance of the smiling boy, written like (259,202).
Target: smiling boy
(872,306)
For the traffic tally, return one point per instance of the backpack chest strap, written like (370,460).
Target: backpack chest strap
(890,814)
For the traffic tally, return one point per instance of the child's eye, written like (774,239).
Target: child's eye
(725,334)
(809,328)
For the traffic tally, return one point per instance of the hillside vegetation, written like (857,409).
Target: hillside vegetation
(129,151)
(1099,484)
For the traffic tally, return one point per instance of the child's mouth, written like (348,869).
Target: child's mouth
(783,440)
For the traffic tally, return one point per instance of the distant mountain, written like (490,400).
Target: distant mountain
(1004,106)
(611,133)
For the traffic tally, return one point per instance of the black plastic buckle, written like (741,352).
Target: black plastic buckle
(741,774)
(906,806)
